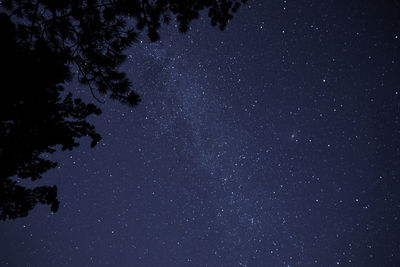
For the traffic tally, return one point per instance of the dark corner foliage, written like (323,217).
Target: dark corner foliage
(41,41)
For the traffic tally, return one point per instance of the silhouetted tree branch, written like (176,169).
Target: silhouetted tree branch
(42,40)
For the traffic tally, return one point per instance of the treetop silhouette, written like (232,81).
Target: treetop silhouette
(42,41)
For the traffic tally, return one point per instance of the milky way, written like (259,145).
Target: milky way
(272,143)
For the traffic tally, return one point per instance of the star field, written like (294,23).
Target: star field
(272,143)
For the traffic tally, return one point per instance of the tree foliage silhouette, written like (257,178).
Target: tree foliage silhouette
(42,41)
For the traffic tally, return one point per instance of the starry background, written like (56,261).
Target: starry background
(272,143)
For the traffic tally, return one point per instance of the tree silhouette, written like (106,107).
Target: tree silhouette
(42,41)
(34,118)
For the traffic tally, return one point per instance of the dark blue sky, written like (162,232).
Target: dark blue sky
(272,143)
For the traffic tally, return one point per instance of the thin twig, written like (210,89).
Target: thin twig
(88,81)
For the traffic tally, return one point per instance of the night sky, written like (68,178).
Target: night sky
(272,143)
